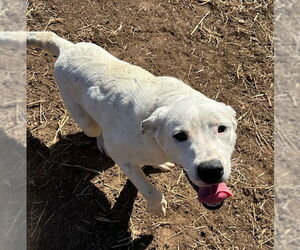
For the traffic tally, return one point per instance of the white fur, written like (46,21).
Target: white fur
(135,114)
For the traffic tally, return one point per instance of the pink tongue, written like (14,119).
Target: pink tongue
(213,194)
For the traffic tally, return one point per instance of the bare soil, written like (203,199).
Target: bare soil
(78,199)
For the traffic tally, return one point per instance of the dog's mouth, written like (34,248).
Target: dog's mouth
(212,196)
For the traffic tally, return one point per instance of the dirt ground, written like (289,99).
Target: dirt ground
(78,199)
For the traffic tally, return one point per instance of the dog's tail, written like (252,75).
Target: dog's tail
(45,40)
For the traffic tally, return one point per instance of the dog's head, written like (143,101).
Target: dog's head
(199,134)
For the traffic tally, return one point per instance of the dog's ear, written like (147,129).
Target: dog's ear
(151,125)
(148,126)
(231,111)
(233,114)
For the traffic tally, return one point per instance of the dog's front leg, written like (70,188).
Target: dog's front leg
(155,199)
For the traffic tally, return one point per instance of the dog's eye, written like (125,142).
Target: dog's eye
(222,129)
(181,136)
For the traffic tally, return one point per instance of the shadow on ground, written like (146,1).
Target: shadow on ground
(65,210)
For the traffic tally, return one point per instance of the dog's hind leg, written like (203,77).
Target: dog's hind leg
(82,118)
(100,144)
(87,124)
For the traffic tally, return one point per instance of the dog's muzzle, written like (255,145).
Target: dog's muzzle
(211,196)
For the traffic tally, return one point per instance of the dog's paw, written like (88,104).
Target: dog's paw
(158,208)
(166,167)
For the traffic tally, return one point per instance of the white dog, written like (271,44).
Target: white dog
(140,119)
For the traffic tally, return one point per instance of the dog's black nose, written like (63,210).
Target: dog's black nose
(210,171)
